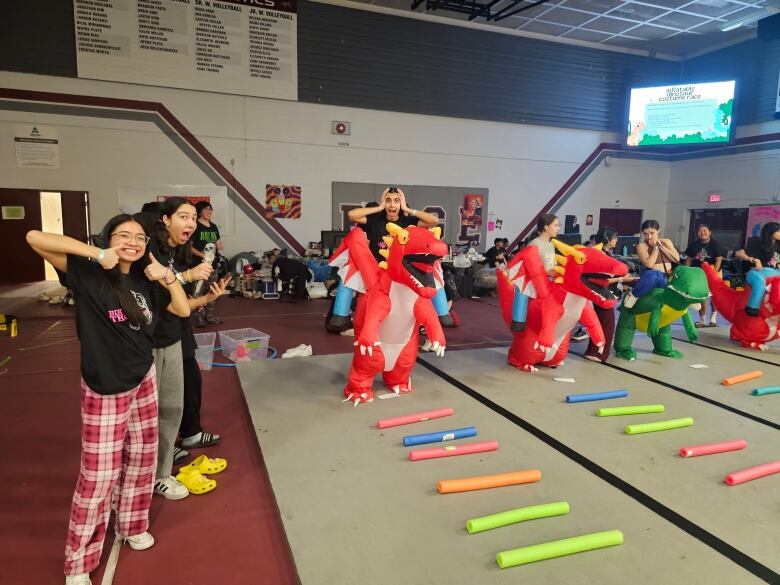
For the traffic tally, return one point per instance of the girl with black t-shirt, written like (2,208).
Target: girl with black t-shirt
(170,246)
(115,315)
(705,249)
(763,253)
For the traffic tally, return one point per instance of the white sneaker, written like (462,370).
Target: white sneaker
(139,541)
(293,350)
(171,488)
(300,351)
(80,579)
(426,346)
(348,333)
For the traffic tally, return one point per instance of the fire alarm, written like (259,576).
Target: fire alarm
(341,128)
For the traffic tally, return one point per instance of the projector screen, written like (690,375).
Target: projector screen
(673,115)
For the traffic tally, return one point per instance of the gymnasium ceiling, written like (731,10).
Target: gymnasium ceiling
(670,27)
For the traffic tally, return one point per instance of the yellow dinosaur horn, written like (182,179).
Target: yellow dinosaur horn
(599,246)
(560,270)
(562,260)
(567,250)
(384,253)
(436,232)
(388,240)
(383,264)
(398,232)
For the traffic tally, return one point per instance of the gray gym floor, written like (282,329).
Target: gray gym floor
(357,511)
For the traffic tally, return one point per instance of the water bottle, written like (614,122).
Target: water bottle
(625,250)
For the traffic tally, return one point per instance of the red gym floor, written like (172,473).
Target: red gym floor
(232,535)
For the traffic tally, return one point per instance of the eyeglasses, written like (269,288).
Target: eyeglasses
(127,237)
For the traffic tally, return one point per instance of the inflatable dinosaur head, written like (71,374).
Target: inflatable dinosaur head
(585,272)
(687,286)
(412,256)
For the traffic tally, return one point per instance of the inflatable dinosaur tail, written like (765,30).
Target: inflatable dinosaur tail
(726,299)
(506,295)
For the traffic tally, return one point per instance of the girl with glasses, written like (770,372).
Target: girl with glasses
(115,318)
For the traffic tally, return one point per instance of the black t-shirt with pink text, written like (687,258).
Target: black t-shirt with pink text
(115,353)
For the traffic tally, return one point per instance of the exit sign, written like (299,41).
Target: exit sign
(713,198)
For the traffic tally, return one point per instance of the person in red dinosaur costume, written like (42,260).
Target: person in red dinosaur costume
(397,300)
(556,306)
(750,332)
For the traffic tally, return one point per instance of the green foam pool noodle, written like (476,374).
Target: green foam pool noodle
(516,515)
(756,391)
(623,410)
(663,425)
(558,548)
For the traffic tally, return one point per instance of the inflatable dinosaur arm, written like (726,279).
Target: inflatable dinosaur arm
(425,314)
(377,308)
(551,312)
(591,322)
(654,322)
(690,328)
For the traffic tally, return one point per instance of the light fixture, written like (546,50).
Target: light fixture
(771,7)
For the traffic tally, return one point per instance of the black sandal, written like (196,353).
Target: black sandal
(179,454)
(206,440)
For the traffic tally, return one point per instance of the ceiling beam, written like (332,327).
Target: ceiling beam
(501,14)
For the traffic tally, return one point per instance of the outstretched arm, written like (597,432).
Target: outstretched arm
(54,248)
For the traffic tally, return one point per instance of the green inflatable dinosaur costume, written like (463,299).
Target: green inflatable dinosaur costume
(658,309)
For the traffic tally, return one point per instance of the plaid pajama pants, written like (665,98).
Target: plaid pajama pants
(118,461)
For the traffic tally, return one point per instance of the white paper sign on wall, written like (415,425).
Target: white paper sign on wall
(36,146)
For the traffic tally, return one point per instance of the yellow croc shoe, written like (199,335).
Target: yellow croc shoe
(205,465)
(196,482)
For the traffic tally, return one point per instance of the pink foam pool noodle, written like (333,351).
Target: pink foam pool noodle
(413,418)
(713,448)
(452,450)
(752,473)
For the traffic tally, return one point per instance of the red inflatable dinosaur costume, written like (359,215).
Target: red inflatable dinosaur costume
(555,307)
(752,332)
(396,302)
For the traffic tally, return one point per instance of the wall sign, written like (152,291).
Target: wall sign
(13,211)
(36,146)
(245,47)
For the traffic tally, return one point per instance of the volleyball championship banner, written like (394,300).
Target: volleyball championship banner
(244,47)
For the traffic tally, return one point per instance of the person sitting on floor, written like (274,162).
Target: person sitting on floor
(294,275)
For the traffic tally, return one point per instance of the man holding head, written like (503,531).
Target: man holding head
(392,208)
